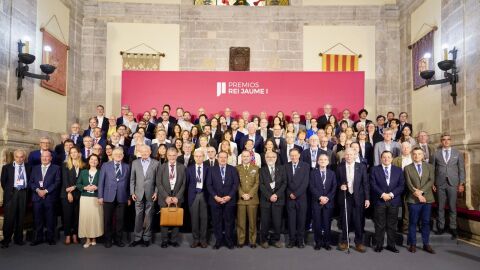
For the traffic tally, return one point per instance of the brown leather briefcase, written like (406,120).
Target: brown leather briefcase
(171,216)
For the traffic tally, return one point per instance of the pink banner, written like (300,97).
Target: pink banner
(251,91)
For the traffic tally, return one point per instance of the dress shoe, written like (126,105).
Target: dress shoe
(164,244)
(52,243)
(317,246)
(428,249)
(5,244)
(301,245)
(203,245)
(264,245)
(327,247)
(360,248)
(68,240)
(412,249)
(194,245)
(36,243)
(392,249)
(146,243)
(342,246)
(86,245)
(93,243)
(108,244)
(230,246)
(253,245)
(239,245)
(119,243)
(378,249)
(440,232)
(135,243)
(174,244)
(278,244)
(19,243)
(290,244)
(75,239)
(216,246)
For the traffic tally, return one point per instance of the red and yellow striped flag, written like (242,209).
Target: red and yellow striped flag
(339,62)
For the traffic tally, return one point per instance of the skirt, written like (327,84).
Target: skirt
(90,223)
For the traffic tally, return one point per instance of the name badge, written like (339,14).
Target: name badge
(314,164)
(272,185)
(19,182)
(40,183)
(199,185)
(118,179)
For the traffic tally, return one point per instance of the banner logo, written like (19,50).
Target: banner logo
(221,88)
(240,88)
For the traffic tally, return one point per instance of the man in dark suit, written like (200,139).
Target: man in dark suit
(171,119)
(211,157)
(222,184)
(387,184)
(366,148)
(197,199)
(298,173)
(62,154)
(34,158)
(403,117)
(45,183)
(419,179)
(355,191)
(323,119)
(171,188)
(113,193)
(363,119)
(14,181)
(332,161)
(278,140)
(449,180)
(273,182)
(98,138)
(207,131)
(124,118)
(323,186)
(289,145)
(428,148)
(187,158)
(101,119)
(309,155)
(167,124)
(252,135)
(88,148)
(236,135)
(75,135)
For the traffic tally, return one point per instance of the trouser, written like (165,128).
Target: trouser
(143,220)
(14,214)
(385,218)
(297,213)
(245,212)
(405,219)
(355,219)
(447,194)
(223,218)
(199,218)
(44,213)
(322,221)
(418,211)
(70,216)
(271,217)
(111,209)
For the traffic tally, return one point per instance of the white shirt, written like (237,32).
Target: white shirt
(172,178)
(199,184)
(406,160)
(100,121)
(17,180)
(389,170)
(350,176)
(449,154)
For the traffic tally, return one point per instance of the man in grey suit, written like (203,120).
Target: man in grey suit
(113,185)
(449,179)
(386,145)
(171,186)
(144,193)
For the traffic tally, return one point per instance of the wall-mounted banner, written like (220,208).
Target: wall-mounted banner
(252,91)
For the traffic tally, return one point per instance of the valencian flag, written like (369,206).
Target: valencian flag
(339,62)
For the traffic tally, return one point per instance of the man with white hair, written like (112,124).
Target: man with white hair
(403,161)
(252,135)
(310,155)
(264,131)
(323,119)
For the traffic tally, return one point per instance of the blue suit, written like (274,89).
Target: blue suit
(386,212)
(197,202)
(223,215)
(44,208)
(34,157)
(297,208)
(322,214)
(258,144)
(115,193)
(191,176)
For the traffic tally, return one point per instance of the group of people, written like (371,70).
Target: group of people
(225,170)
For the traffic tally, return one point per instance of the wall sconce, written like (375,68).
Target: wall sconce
(450,77)
(25,59)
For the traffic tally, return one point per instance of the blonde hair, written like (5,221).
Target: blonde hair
(80,163)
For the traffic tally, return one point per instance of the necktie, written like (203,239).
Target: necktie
(199,174)
(419,169)
(294,168)
(44,171)
(172,171)
(212,163)
(322,175)
(350,186)
(88,153)
(272,173)
(21,177)
(252,158)
(447,155)
(118,172)
(222,171)
(387,177)
(424,147)
(314,155)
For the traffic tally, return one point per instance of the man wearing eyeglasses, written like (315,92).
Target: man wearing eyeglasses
(449,179)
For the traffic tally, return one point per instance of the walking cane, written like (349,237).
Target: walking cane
(346,217)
